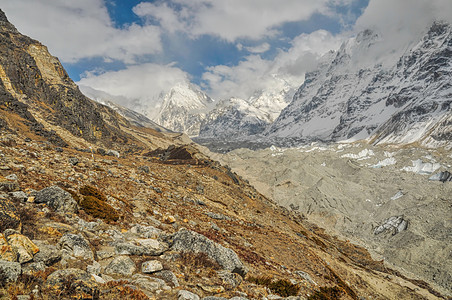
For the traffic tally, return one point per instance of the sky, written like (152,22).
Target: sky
(228,48)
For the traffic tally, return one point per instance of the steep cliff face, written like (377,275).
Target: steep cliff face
(37,92)
(404,102)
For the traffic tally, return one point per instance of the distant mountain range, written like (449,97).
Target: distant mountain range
(397,99)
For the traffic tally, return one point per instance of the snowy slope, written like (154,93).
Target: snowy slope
(393,101)
(183,109)
(111,101)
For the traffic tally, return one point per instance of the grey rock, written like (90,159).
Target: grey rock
(394,225)
(9,186)
(33,267)
(73,161)
(113,153)
(305,276)
(168,277)
(230,279)
(23,297)
(94,268)
(19,196)
(10,269)
(57,279)
(441,176)
(214,298)
(186,295)
(217,216)
(146,231)
(151,266)
(12,177)
(238,298)
(48,254)
(187,240)
(57,199)
(121,265)
(146,247)
(75,245)
(147,282)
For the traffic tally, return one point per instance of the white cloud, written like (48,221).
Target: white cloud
(402,22)
(262,48)
(254,73)
(81,29)
(230,19)
(139,84)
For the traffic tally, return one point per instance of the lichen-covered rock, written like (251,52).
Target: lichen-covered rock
(187,240)
(9,217)
(48,254)
(59,280)
(57,199)
(6,251)
(75,245)
(121,265)
(11,270)
(148,283)
(24,248)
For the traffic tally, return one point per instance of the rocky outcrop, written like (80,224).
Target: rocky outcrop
(402,100)
(187,240)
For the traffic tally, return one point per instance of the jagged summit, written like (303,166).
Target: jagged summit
(401,103)
(182,109)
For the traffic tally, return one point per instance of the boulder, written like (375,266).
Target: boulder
(146,231)
(76,278)
(57,199)
(9,217)
(187,240)
(24,248)
(148,283)
(48,254)
(168,277)
(151,266)
(186,295)
(6,251)
(10,270)
(121,265)
(441,176)
(75,245)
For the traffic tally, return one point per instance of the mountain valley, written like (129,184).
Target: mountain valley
(100,202)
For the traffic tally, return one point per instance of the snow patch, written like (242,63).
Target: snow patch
(419,167)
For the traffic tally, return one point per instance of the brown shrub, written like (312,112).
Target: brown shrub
(327,293)
(282,287)
(89,190)
(98,209)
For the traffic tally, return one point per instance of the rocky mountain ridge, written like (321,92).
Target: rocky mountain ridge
(397,104)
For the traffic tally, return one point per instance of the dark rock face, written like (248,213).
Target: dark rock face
(34,81)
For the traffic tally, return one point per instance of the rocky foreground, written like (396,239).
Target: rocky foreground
(164,225)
